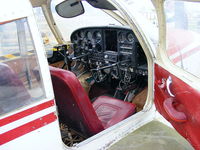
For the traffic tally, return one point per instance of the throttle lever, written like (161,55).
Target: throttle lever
(78,57)
(104,67)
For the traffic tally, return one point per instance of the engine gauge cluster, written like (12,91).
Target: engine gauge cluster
(124,37)
(87,40)
(89,35)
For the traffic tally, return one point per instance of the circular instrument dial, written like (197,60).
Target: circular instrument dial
(81,34)
(97,36)
(121,37)
(89,35)
(75,38)
(130,37)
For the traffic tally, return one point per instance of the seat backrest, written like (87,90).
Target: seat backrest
(13,94)
(74,106)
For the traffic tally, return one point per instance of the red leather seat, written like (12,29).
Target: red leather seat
(76,110)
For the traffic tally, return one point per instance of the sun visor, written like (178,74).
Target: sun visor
(102,4)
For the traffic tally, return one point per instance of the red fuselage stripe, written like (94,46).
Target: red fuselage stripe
(26,128)
(9,21)
(25,113)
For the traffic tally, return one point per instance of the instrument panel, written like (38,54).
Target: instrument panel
(103,38)
(110,47)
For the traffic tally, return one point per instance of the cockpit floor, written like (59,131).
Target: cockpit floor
(69,136)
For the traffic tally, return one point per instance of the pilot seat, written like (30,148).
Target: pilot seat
(76,110)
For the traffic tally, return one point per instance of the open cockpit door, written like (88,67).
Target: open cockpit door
(28,117)
(177,90)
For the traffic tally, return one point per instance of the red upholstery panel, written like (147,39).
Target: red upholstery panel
(111,111)
(74,106)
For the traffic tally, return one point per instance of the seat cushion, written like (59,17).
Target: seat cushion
(111,111)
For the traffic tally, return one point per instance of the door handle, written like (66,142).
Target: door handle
(172,112)
(168,83)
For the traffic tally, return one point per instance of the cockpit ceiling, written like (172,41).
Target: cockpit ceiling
(37,3)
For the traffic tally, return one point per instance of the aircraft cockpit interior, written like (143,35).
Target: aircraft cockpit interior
(99,74)
(99,78)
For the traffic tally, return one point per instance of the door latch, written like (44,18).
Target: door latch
(168,83)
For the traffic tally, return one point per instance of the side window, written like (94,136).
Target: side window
(20,82)
(183,34)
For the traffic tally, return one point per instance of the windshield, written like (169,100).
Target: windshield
(91,17)
(145,16)
(147,11)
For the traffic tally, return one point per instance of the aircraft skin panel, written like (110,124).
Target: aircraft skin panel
(26,112)
(28,127)
(31,124)
(178,103)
